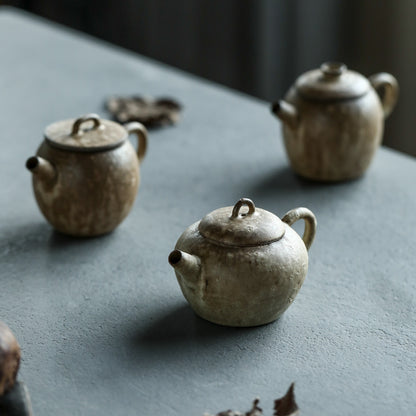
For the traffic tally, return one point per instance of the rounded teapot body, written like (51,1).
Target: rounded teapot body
(333,120)
(91,192)
(333,140)
(243,286)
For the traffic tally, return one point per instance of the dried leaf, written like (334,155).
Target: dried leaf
(286,406)
(255,411)
(149,111)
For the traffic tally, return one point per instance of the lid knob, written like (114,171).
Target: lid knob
(238,227)
(88,117)
(237,207)
(88,133)
(333,69)
(332,81)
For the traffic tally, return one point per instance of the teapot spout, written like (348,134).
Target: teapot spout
(187,265)
(43,169)
(286,112)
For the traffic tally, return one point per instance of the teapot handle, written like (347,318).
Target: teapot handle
(387,88)
(141,132)
(310,223)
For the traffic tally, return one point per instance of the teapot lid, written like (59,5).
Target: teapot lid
(231,227)
(332,81)
(88,133)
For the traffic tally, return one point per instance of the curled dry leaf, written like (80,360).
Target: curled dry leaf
(151,112)
(285,406)
(255,411)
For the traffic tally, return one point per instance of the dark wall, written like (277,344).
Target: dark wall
(261,46)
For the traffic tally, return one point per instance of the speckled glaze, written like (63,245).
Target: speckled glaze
(248,285)
(87,193)
(333,123)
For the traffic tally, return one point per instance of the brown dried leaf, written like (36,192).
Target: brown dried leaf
(286,405)
(149,111)
(255,411)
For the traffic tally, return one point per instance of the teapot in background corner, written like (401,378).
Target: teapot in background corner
(333,120)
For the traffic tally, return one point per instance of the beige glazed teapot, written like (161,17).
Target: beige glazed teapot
(333,119)
(242,265)
(86,174)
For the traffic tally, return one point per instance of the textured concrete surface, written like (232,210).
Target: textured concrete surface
(102,324)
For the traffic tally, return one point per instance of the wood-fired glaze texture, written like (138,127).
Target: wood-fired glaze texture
(91,193)
(247,285)
(332,129)
(333,141)
(86,193)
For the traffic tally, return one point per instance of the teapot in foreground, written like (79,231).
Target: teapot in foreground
(14,395)
(86,174)
(243,266)
(333,120)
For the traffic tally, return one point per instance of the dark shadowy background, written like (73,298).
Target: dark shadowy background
(260,46)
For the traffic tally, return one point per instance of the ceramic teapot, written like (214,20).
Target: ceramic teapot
(9,358)
(86,174)
(333,121)
(243,266)
(14,395)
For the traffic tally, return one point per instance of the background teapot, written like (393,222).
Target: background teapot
(240,267)
(86,174)
(333,120)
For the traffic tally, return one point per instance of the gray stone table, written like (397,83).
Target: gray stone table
(103,326)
